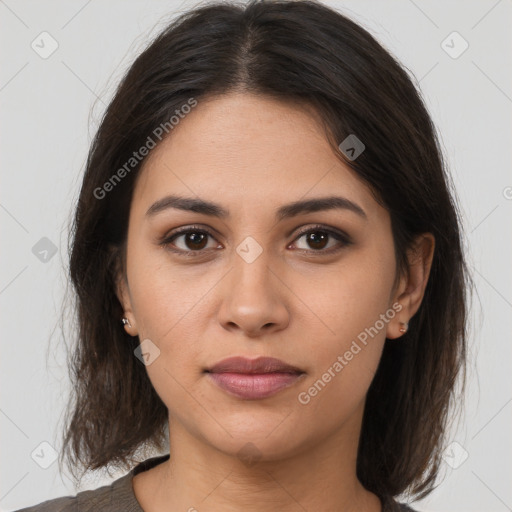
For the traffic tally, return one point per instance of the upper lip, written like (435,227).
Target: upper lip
(258,365)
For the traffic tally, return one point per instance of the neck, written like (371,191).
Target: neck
(321,475)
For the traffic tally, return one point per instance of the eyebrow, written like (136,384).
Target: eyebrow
(286,211)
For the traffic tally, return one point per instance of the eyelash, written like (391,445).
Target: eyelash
(338,235)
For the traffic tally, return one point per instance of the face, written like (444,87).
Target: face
(311,288)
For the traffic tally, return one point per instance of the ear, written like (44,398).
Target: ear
(122,289)
(411,288)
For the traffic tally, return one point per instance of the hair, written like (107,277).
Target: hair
(309,54)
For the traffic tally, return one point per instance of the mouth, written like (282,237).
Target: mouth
(254,379)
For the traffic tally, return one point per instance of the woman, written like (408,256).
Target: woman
(269,274)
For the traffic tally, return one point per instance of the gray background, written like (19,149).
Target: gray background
(50,108)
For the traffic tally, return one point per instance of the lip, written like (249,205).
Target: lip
(253,379)
(240,364)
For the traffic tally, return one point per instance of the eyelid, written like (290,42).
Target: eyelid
(327,229)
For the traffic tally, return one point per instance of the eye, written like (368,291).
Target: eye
(194,240)
(317,239)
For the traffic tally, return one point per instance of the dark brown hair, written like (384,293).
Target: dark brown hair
(304,52)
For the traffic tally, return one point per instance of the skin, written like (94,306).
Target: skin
(252,154)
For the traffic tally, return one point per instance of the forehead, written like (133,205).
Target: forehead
(247,151)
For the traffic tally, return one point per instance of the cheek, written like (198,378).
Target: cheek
(350,297)
(166,296)
(168,306)
(344,365)
(352,303)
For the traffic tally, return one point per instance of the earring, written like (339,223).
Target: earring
(126,322)
(404,327)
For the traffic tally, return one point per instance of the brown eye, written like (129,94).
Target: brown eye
(187,241)
(317,240)
(195,241)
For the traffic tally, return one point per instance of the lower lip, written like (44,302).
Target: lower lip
(254,386)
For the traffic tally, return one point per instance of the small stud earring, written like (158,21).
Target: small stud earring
(404,327)
(126,322)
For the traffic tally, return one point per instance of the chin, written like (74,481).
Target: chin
(252,444)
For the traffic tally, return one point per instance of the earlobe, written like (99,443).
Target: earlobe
(404,327)
(123,295)
(128,319)
(128,327)
(397,328)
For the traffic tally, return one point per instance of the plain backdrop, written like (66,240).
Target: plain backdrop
(50,108)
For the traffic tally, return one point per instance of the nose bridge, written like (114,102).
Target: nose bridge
(252,299)
(252,267)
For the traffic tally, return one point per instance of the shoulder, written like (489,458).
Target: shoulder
(63,504)
(115,497)
(84,501)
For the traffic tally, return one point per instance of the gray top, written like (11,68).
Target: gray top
(119,496)
(115,497)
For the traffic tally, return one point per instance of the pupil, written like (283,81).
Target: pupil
(314,239)
(196,238)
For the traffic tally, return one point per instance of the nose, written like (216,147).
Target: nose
(253,298)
